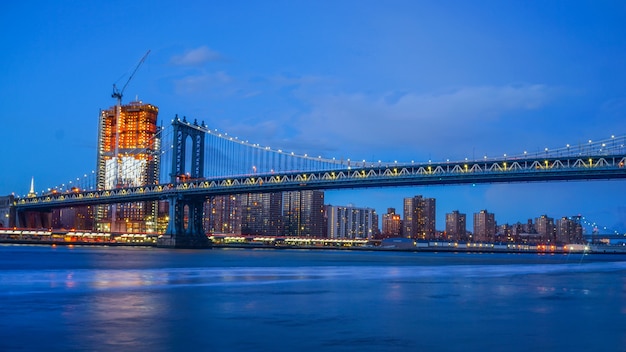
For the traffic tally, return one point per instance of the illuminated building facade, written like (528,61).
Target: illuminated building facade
(223,215)
(545,228)
(303,213)
(244,214)
(569,231)
(347,222)
(261,214)
(392,224)
(419,218)
(456,228)
(484,226)
(128,156)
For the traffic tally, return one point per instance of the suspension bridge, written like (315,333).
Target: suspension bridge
(197,163)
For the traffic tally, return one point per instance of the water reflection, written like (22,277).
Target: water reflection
(234,300)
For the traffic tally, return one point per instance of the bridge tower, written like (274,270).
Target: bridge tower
(189,232)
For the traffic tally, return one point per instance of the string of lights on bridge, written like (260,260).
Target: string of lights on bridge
(599,229)
(251,163)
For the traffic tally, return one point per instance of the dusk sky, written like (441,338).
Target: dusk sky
(374,80)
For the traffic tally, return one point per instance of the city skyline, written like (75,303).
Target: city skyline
(404,81)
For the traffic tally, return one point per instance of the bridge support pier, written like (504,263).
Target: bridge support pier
(34,219)
(185,229)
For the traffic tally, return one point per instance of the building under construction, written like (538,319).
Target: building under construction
(128,156)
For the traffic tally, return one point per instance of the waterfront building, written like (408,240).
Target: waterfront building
(261,213)
(222,215)
(504,233)
(529,227)
(127,156)
(484,226)
(456,228)
(348,222)
(516,230)
(375,226)
(568,231)
(303,213)
(392,224)
(544,226)
(419,218)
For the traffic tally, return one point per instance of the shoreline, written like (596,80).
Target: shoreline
(592,249)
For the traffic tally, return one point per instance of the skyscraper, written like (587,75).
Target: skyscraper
(419,217)
(348,222)
(261,214)
(303,213)
(222,214)
(456,229)
(484,226)
(128,156)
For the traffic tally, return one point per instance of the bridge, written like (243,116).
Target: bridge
(203,163)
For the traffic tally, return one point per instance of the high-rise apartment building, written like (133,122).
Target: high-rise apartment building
(244,214)
(261,214)
(348,222)
(568,231)
(419,218)
(484,226)
(303,213)
(128,156)
(456,228)
(544,226)
(392,224)
(222,215)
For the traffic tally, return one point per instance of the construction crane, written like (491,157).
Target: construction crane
(117,94)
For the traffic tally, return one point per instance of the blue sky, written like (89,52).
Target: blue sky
(392,80)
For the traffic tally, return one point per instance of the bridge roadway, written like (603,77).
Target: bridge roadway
(566,168)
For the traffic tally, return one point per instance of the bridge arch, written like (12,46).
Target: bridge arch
(188,149)
(186,212)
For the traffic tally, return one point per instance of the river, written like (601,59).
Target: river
(147,299)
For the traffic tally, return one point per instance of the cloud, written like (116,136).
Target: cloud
(196,57)
(410,119)
(201,83)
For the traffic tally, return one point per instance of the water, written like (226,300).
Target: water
(112,299)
